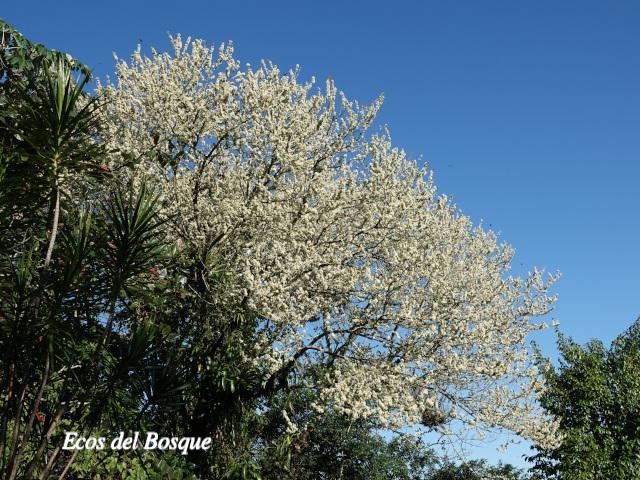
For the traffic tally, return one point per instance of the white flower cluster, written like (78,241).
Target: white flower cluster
(336,238)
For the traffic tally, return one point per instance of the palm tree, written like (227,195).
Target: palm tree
(48,129)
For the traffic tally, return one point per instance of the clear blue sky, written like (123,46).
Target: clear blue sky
(528,112)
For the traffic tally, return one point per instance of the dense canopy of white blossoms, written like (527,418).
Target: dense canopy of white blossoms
(337,239)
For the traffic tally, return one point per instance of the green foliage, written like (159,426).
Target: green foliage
(330,446)
(130,466)
(47,122)
(596,393)
(19,57)
(74,266)
(131,230)
(477,470)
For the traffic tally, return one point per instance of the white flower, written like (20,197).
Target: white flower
(337,238)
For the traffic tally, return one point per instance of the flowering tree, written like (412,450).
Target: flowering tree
(336,240)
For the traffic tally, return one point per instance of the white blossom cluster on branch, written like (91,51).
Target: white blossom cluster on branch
(336,238)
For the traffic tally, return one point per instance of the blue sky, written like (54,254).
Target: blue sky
(528,112)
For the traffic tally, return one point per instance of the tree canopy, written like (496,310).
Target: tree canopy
(199,249)
(595,391)
(336,240)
